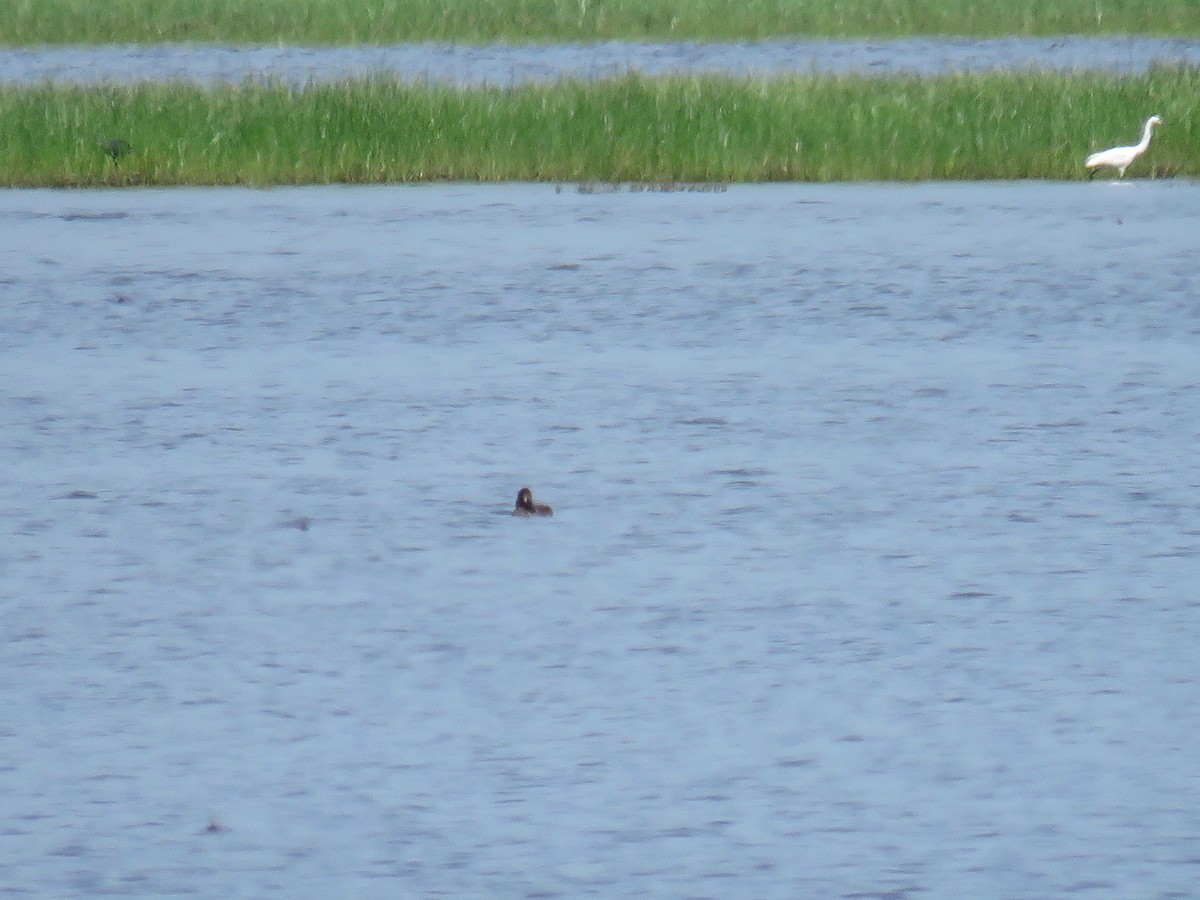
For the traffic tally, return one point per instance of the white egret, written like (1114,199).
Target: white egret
(1120,158)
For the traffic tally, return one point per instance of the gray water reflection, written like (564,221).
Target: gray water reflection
(503,65)
(873,571)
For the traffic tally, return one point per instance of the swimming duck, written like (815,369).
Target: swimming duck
(526,506)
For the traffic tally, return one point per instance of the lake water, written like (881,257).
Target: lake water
(507,64)
(873,570)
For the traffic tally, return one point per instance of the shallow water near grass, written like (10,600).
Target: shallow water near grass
(504,64)
(873,570)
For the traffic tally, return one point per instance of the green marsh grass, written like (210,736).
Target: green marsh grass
(520,21)
(630,129)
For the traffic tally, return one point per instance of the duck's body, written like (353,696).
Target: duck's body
(526,506)
(1121,158)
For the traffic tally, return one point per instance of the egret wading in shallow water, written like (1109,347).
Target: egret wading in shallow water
(1120,158)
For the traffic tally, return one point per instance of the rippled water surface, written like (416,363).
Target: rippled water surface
(873,571)
(503,64)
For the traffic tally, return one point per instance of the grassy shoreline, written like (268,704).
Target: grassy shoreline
(27,22)
(635,128)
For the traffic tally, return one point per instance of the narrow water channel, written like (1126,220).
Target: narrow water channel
(502,64)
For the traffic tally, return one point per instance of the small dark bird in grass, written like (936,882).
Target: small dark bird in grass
(115,148)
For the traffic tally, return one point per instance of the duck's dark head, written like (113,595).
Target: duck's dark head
(525,499)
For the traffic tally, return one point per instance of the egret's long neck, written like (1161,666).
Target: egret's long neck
(1146,135)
